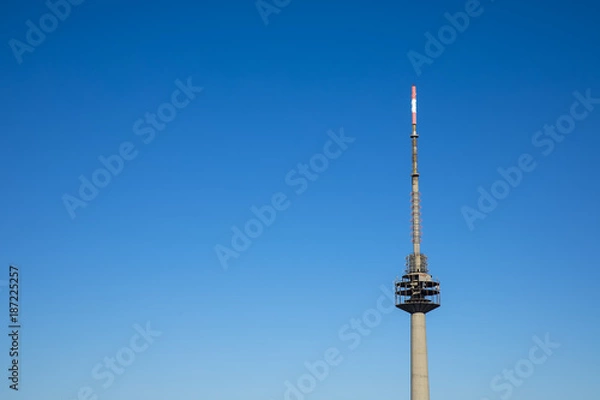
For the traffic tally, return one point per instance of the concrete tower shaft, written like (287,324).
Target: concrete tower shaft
(417,292)
(419,371)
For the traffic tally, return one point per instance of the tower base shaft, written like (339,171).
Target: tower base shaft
(419,375)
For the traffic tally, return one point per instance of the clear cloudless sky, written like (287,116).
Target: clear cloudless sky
(143,250)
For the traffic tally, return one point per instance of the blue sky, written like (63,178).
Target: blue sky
(143,249)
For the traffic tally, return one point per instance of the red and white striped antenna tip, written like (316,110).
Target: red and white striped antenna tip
(413,104)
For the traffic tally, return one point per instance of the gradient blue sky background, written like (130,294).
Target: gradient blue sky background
(143,250)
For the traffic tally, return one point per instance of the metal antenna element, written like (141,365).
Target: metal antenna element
(415,195)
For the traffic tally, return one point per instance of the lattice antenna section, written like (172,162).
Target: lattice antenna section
(415,204)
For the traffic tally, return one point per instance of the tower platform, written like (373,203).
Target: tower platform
(417,291)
